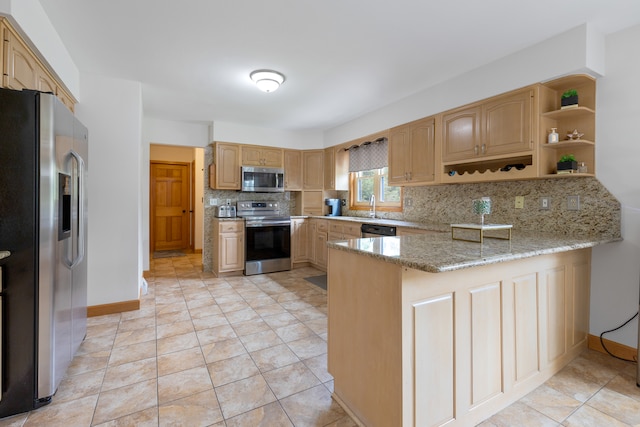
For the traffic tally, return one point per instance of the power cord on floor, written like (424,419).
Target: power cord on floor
(615,329)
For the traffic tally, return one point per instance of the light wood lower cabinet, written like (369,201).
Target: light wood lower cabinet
(228,246)
(320,238)
(411,348)
(340,230)
(300,240)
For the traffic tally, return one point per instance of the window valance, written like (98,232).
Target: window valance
(368,155)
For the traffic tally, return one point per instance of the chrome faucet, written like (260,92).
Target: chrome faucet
(372,203)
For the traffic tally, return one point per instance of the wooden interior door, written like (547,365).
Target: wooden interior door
(169,206)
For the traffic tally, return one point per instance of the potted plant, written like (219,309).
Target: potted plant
(567,163)
(569,99)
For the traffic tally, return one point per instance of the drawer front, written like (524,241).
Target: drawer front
(322,225)
(229,226)
(335,227)
(352,230)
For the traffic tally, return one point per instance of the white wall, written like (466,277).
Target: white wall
(570,52)
(112,111)
(233,132)
(616,267)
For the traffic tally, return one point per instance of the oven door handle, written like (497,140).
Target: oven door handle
(251,224)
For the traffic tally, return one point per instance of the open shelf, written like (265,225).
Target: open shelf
(569,113)
(581,118)
(569,144)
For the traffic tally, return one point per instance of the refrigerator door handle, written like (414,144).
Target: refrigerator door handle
(79,237)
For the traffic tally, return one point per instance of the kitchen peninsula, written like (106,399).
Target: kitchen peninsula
(428,331)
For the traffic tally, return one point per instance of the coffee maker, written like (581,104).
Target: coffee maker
(335,207)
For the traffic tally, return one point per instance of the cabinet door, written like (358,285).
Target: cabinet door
(321,248)
(272,157)
(399,146)
(312,203)
(44,83)
(311,240)
(412,153)
(251,156)
(292,170)
(227,166)
(421,159)
(300,240)
(312,169)
(21,66)
(508,124)
(329,169)
(231,251)
(461,134)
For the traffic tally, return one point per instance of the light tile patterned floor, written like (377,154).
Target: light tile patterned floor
(251,351)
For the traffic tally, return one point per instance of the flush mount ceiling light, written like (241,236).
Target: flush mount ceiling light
(267,80)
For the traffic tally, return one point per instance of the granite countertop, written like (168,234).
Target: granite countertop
(437,253)
(4,254)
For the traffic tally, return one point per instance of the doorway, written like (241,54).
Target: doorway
(170,206)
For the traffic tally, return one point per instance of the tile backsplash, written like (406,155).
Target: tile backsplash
(599,212)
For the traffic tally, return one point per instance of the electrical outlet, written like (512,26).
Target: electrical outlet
(213,202)
(408,201)
(545,203)
(519,202)
(573,203)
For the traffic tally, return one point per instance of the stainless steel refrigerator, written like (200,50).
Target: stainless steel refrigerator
(43,224)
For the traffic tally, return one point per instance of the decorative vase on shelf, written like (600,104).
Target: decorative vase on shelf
(567,166)
(569,99)
(482,207)
(553,136)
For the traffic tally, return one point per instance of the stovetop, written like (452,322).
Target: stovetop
(260,210)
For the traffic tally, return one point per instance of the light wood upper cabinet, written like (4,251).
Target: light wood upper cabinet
(501,125)
(44,82)
(226,173)
(508,123)
(262,156)
(461,133)
(412,153)
(20,68)
(292,170)
(313,169)
(329,169)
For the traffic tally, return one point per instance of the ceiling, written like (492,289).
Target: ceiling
(341,58)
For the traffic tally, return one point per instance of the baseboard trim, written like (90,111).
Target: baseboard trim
(618,349)
(116,307)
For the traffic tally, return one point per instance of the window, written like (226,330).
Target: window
(366,183)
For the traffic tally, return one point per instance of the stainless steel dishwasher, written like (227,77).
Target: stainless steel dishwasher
(377,230)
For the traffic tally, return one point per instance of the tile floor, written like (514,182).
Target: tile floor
(251,351)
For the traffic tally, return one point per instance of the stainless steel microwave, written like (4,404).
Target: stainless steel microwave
(262,180)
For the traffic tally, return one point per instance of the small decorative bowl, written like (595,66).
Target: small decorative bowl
(574,135)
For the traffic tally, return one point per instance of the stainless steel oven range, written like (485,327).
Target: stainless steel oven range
(267,237)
